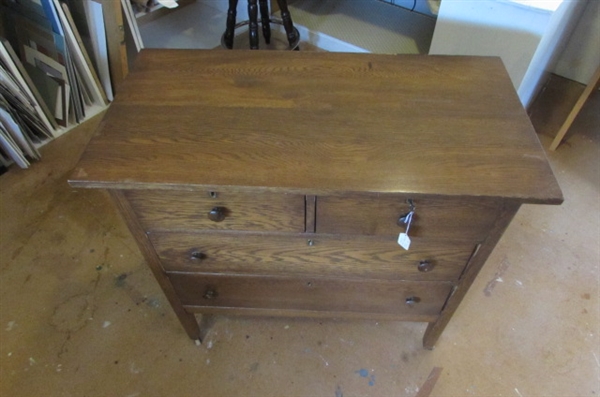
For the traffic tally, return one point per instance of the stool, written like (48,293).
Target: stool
(291,32)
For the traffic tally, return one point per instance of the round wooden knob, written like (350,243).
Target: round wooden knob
(217,214)
(425,266)
(210,294)
(198,255)
(412,300)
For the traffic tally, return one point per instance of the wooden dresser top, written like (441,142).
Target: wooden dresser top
(319,123)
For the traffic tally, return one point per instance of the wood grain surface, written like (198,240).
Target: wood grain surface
(318,123)
(325,314)
(310,294)
(310,255)
(185,210)
(434,217)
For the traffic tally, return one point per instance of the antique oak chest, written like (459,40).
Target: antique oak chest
(317,184)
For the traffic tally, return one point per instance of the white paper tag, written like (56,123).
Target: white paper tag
(404,241)
(167,3)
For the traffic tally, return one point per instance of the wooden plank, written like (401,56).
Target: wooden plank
(450,218)
(592,85)
(241,311)
(310,212)
(181,210)
(311,294)
(188,320)
(310,254)
(428,128)
(115,40)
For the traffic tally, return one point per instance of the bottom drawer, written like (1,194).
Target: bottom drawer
(407,299)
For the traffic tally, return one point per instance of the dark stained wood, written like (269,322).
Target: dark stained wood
(480,255)
(230,24)
(353,123)
(272,183)
(242,311)
(327,255)
(190,210)
(310,213)
(265,19)
(187,320)
(288,25)
(253,27)
(310,294)
(434,217)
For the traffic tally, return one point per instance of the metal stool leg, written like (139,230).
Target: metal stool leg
(230,27)
(265,19)
(287,21)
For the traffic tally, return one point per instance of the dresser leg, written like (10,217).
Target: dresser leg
(431,337)
(206,323)
(187,320)
(474,264)
(190,325)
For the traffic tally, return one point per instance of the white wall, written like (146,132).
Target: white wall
(493,28)
(554,40)
(528,39)
(421,6)
(581,56)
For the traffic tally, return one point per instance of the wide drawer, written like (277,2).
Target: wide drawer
(190,210)
(434,217)
(311,294)
(311,255)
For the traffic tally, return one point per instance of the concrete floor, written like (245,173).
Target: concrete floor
(81,315)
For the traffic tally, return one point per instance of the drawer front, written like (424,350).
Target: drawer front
(311,255)
(385,297)
(185,210)
(448,218)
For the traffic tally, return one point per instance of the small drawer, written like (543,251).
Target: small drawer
(195,210)
(402,298)
(447,218)
(311,255)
